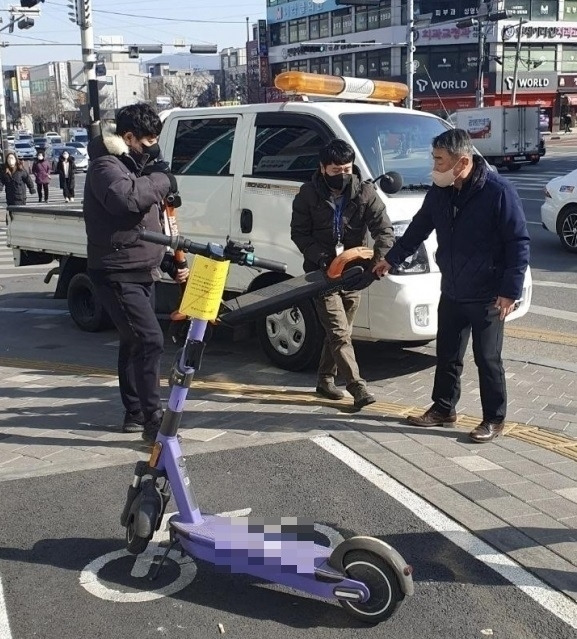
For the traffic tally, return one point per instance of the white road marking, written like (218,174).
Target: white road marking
(571,316)
(555,602)
(554,284)
(4,625)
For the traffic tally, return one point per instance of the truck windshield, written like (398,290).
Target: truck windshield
(396,142)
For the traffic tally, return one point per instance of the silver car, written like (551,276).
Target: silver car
(24,150)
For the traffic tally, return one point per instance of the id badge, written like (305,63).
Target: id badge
(339,248)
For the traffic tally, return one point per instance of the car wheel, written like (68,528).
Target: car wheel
(292,339)
(567,228)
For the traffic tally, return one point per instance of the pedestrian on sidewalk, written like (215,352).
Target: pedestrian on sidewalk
(331,213)
(568,122)
(125,187)
(66,168)
(15,179)
(483,253)
(41,169)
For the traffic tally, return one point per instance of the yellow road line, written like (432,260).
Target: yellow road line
(555,442)
(537,335)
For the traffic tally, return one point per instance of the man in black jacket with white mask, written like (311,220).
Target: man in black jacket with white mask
(125,187)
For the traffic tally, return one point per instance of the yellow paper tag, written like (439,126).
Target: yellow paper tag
(204,288)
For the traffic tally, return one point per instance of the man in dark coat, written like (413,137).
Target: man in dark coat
(331,213)
(483,253)
(125,187)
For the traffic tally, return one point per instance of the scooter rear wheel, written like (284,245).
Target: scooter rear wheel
(381,580)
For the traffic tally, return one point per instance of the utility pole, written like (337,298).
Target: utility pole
(81,14)
(516,66)
(410,51)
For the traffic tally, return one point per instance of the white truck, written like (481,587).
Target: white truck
(238,169)
(507,136)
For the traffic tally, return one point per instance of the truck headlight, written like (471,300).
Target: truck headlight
(416,263)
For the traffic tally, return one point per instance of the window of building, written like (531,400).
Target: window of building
(338,22)
(203,146)
(303,30)
(531,57)
(569,58)
(275,31)
(293,30)
(361,18)
(544,10)
(373,64)
(443,59)
(520,8)
(338,65)
(385,14)
(348,21)
(373,17)
(325,66)
(570,11)
(314,27)
(361,65)
(315,65)
(325,25)
(385,63)
(287,152)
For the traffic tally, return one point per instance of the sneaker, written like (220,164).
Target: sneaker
(71,199)
(361,395)
(133,422)
(152,426)
(326,388)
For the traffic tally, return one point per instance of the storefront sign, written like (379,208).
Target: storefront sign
(447,84)
(531,83)
(538,32)
(567,82)
(298,9)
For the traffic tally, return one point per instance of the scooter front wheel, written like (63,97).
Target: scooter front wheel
(381,580)
(134,543)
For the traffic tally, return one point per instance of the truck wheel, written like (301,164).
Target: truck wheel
(533,162)
(85,308)
(513,167)
(567,229)
(293,338)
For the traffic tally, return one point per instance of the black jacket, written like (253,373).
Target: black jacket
(66,180)
(483,243)
(313,220)
(118,203)
(15,184)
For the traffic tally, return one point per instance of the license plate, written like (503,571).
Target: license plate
(519,157)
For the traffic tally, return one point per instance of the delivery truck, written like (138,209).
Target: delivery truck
(507,136)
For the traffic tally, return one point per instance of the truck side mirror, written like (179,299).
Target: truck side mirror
(390,182)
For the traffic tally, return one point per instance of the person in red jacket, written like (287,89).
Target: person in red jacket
(41,171)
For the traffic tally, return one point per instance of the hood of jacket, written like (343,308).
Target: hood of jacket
(108,143)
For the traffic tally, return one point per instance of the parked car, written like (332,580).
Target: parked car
(83,148)
(559,211)
(24,150)
(80,160)
(40,142)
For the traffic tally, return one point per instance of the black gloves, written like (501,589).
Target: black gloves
(156,167)
(168,265)
(324,262)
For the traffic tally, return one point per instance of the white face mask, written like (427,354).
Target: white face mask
(11,162)
(445,178)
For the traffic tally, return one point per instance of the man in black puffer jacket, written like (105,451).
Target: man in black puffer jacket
(483,253)
(331,214)
(124,191)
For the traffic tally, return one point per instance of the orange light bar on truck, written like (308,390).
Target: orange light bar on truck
(332,86)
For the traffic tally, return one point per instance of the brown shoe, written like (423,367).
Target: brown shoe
(361,396)
(486,432)
(432,417)
(326,388)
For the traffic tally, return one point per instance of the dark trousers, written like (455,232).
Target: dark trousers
(131,308)
(42,188)
(457,321)
(67,190)
(336,313)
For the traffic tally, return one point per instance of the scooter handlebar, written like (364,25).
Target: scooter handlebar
(238,253)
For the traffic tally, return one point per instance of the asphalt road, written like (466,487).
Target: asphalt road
(54,527)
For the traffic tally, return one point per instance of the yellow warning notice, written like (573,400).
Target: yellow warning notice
(204,288)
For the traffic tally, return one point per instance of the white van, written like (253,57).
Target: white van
(238,170)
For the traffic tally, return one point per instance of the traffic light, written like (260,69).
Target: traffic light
(133,52)
(25,23)
(203,48)
(28,4)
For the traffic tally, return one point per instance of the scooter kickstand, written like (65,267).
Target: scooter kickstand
(162,560)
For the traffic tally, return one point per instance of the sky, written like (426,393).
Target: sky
(157,22)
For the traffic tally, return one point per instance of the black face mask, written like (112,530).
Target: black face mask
(152,151)
(338,182)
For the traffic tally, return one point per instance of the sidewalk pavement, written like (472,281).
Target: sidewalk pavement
(518,493)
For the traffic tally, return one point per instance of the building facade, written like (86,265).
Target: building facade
(539,38)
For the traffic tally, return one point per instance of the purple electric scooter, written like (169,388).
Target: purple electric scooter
(365,575)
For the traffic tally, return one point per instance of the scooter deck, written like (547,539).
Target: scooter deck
(283,295)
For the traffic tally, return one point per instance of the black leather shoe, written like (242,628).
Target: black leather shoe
(432,417)
(486,432)
(361,395)
(328,390)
